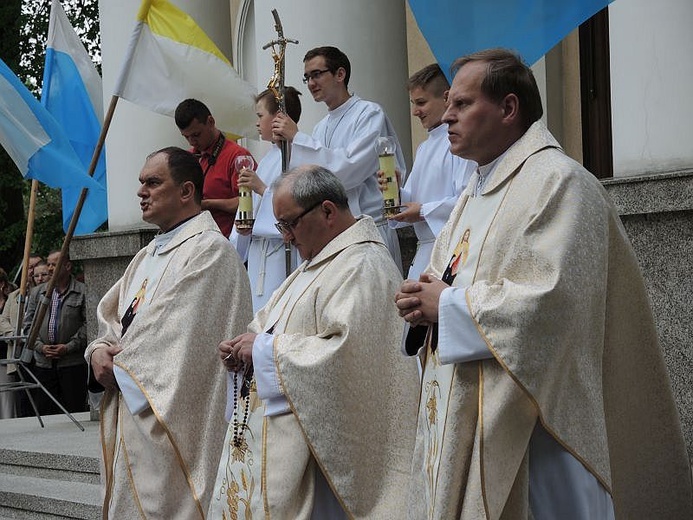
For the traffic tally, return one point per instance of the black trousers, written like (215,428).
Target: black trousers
(67,384)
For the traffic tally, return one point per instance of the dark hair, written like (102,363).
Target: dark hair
(506,73)
(334,59)
(188,110)
(183,167)
(291,100)
(311,184)
(431,79)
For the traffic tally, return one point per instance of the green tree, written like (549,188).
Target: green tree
(22,48)
(12,222)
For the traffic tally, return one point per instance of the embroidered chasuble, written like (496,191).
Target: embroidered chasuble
(343,428)
(554,291)
(436,181)
(182,299)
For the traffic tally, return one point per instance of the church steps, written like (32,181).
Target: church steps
(19,514)
(57,497)
(49,473)
(43,465)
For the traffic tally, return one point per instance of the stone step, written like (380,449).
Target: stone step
(22,514)
(49,473)
(49,465)
(49,496)
(8,471)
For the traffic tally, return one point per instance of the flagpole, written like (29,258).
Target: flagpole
(43,303)
(27,253)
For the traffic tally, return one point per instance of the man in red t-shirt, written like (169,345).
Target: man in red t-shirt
(216,154)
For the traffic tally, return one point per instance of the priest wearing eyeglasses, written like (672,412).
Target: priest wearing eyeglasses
(321,407)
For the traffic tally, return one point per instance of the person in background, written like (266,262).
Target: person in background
(42,273)
(216,154)
(344,140)
(437,177)
(34,260)
(8,320)
(58,353)
(263,247)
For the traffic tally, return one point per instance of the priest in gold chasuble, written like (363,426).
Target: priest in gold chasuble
(544,392)
(323,404)
(162,418)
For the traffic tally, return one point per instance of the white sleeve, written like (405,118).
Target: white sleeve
(458,338)
(352,164)
(134,398)
(437,212)
(268,388)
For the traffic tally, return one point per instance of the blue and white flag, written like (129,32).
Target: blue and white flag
(34,140)
(72,93)
(454,28)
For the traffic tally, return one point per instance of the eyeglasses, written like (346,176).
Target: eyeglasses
(287,227)
(314,75)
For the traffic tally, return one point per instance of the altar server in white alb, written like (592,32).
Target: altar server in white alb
(544,392)
(162,417)
(263,247)
(323,425)
(437,177)
(344,140)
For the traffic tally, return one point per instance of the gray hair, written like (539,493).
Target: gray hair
(311,184)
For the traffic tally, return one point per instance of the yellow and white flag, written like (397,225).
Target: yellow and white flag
(170,59)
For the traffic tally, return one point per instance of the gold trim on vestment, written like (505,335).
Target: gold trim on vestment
(263,471)
(480,421)
(108,463)
(169,434)
(534,402)
(305,436)
(131,479)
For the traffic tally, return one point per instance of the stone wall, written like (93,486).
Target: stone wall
(104,257)
(657,212)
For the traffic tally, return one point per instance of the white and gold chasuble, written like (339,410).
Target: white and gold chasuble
(352,397)
(437,378)
(161,462)
(556,294)
(240,486)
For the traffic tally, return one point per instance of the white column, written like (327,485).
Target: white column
(651,76)
(372,34)
(136,132)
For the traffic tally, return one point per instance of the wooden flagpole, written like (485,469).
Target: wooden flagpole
(31,215)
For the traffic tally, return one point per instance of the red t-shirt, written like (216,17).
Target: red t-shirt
(221,180)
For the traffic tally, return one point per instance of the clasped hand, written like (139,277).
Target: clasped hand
(237,353)
(54,351)
(102,364)
(418,301)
